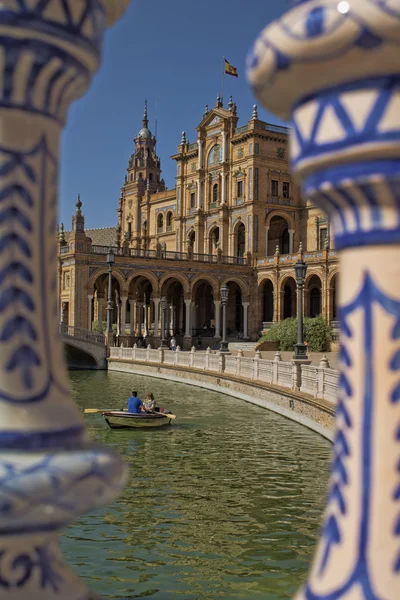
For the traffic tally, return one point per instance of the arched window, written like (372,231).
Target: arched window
(160,222)
(215,193)
(169,221)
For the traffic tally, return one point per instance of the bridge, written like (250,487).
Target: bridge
(84,348)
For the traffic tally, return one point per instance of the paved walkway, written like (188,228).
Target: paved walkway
(315,357)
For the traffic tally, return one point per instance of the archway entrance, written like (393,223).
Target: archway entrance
(314,292)
(213,243)
(203,314)
(268,301)
(97,309)
(333,291)
(288,308)
(175,313)
(234,311)
(141,309)
(278,235)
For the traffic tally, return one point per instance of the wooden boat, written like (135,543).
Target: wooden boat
(118,419)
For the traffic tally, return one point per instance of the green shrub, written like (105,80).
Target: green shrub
(316,332)
(95,326)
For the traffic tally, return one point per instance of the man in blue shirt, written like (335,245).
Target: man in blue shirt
(134,404)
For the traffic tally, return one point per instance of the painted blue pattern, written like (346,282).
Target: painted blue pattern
(369,297)
(19,316)
(347,133)
(55,482)
(40,559)
(347,191)
(305,23)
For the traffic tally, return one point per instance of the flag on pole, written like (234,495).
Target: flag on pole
(230,70)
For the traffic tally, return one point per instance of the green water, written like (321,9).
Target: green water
(225,503)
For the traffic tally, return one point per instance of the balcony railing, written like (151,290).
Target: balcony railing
(292,258)
(242,129)
(64,249)
(169,228)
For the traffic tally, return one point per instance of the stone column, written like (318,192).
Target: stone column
(90,312)
(132,316)
(156,316)
(200,157)
(291,240)
(145,320)
(223,189)
(139,316)
(245,319)
(266,240)
(349,167)
(51,473)
(123,315)
(224,137)
(217,313)
(171,322)
(188,332)
(180,325)
(100,304)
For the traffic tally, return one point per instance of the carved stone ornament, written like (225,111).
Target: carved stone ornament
(333,68)
(50,472)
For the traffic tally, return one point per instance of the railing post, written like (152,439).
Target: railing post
(256,365)
(221,362)
(320,387)
(191,360)
(296,375)
(275,365)
(207,359)
(177,354)
(161,355)
(239,356)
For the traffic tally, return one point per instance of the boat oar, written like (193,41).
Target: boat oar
(97,410)
(164,415)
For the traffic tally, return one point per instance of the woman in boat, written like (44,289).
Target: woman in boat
(149,403)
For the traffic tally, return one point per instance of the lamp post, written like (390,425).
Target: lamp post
(224,301)
(300,349)
(110,261)
(164,303)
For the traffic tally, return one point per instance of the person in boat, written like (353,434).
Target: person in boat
(135,405)
(150,403)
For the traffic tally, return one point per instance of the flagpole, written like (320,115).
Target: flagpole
(223,79)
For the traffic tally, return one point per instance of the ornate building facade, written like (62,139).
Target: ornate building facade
(235,216)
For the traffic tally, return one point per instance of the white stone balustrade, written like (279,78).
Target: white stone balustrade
(319,382)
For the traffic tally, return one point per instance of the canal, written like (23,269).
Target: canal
(225,503)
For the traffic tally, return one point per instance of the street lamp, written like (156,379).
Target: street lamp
(300,349)
(224,300)
(164,303)
(110,261)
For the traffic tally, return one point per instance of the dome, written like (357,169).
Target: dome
(145,133)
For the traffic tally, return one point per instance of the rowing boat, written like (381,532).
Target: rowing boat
(118,419)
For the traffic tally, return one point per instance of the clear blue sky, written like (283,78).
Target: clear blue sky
(169,51)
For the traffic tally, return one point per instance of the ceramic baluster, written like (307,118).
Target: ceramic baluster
(50,473)
(333,69)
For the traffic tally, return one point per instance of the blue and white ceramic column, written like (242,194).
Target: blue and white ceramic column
(49,471)
(333,68)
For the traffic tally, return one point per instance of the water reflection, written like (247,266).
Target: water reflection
(226,503)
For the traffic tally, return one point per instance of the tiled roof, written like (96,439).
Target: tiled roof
(104,236)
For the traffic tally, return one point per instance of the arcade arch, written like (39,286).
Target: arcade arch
(313,296)
(266,290)
(277,229)
(288,298)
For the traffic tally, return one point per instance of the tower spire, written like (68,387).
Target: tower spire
(145,116)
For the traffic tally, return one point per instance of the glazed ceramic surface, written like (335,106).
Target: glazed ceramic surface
(333,68)
(49,472)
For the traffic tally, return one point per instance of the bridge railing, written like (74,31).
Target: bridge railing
(319,382)
(80,333)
